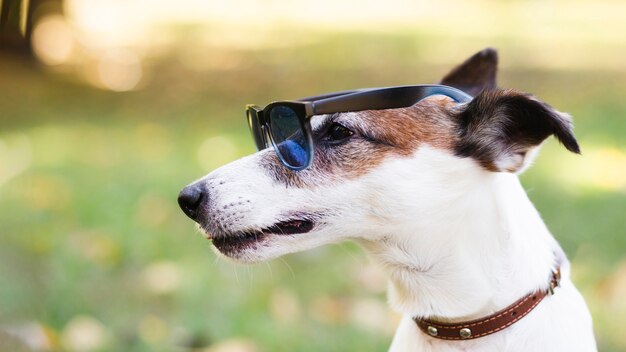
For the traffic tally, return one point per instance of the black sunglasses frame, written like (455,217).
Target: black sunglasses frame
(346,101)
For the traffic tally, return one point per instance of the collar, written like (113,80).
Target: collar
(493,323)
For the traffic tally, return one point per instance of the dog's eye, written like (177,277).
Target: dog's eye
(337,132)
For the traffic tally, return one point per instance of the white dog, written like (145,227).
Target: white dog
(431,193)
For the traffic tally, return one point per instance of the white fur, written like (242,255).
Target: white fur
(456,241)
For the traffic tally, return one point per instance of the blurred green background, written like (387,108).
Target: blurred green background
(109,107)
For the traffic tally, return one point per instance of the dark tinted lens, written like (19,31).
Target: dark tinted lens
(290,141)
(255,128)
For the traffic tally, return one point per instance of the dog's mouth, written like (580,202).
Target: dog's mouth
(236,242)
(290,227)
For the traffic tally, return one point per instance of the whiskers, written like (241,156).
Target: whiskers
(293,274)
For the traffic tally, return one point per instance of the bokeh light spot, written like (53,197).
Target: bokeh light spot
(34,335)
(119,70)
(162,277)
(235,345)
(15,156)
(53,40)
(153,330)
(48,192)
(216,151)
(285,306)
(96,246)
(372,315)
(153,142)
(153,210)
(329,310)
(601,167)
(84,333)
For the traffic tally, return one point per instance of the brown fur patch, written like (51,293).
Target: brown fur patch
(406,129)
(378,135)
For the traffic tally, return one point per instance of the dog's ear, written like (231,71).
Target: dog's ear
(501,129)
(476,74)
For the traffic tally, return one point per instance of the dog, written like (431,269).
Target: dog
(431,193)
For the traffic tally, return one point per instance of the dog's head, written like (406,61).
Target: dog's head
(375,170)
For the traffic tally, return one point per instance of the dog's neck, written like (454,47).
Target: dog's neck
(488,248)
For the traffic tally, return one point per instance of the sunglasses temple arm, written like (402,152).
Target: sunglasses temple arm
(379,99)
(332,95)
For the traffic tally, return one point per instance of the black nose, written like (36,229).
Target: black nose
(190,199)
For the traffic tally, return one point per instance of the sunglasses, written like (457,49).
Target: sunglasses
(286,125)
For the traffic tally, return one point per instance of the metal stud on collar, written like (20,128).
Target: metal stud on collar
(432,331)
(465,333)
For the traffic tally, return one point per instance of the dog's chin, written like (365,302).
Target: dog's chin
(248,246)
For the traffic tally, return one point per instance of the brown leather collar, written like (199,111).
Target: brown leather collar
(490,324)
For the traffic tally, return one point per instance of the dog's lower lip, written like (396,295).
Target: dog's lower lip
(238,241)
(233,243)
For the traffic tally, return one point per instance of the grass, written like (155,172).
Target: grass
(92,242)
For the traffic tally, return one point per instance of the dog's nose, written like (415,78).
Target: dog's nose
(190,199)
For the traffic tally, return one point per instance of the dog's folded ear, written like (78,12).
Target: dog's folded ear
(501,129)
(476,74)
